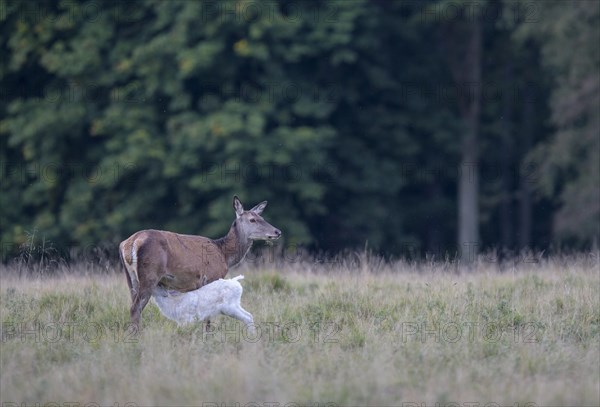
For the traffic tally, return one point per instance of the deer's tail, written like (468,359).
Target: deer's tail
(129,263)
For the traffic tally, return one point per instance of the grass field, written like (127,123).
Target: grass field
(358,332)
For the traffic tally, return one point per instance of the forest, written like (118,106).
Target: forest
(417,129)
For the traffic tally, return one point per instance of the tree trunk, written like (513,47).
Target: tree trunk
(468,189)
(462,42)
(434,241)
(468,183)
(526,173)
(506,230)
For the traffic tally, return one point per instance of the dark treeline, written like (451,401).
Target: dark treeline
(411,126)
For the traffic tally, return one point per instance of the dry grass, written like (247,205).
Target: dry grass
(359,332)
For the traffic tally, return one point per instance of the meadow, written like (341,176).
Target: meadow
(355,331)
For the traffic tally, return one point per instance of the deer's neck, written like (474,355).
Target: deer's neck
(234,246)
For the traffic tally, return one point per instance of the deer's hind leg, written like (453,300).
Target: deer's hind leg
(151,261)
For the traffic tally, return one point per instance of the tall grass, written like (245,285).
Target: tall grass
(354,331)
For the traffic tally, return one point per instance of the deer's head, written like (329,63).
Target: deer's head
(251,225)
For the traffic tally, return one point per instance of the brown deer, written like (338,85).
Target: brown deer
(187,262)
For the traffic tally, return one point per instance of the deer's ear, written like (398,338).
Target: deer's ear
(237,205)
(259,208)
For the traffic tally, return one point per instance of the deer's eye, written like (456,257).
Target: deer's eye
(252,220)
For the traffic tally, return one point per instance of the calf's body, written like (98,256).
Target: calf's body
(220,297)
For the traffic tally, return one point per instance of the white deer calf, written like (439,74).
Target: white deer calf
(219,297)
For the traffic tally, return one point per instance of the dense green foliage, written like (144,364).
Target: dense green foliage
(345,115)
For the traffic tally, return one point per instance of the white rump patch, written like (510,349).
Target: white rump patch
(132,268)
